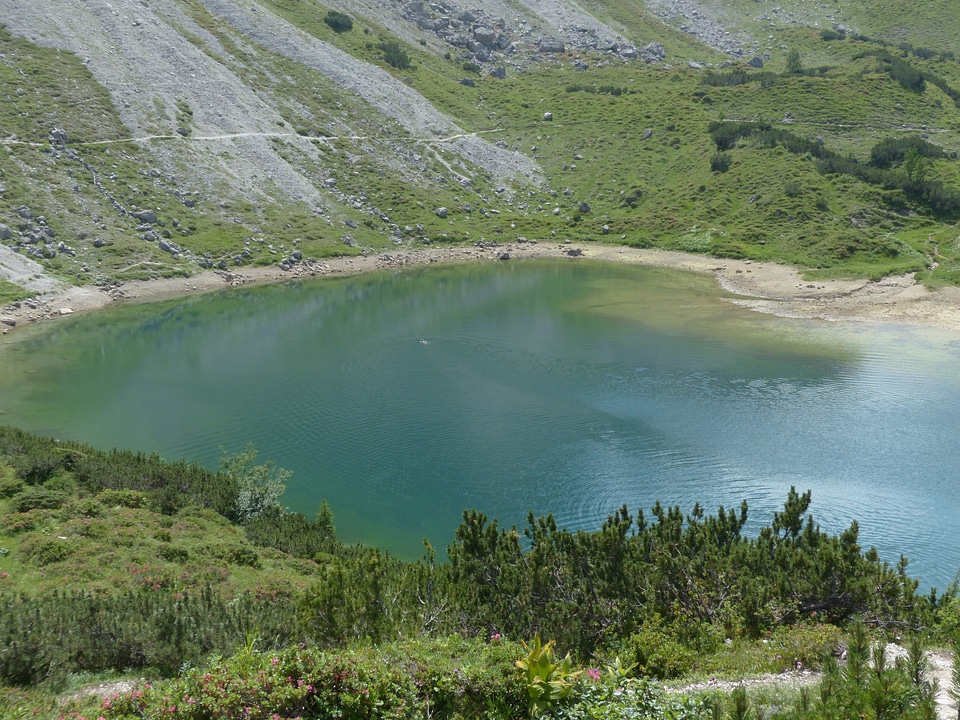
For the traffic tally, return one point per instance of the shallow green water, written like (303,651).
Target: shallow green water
(551,386)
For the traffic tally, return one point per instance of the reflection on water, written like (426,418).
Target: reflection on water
(548,386)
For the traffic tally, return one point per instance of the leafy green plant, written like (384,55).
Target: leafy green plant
(339,22)
(259,487)
(548,680)
(395,56)
(720,162)
(609,698)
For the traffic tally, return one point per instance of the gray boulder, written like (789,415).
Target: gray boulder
(550,45)
(170,247)
(5,232)
(485,36)
(442,212)
(656,50)
(146,216)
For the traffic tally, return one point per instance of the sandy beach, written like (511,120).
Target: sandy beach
(762,286)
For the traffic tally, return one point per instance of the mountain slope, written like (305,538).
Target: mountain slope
(153,138)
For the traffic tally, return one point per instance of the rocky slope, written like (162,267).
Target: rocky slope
(145,138)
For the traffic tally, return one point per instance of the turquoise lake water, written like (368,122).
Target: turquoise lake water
(553,386)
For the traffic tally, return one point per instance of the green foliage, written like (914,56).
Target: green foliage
(47,637)
(445,678)
(939,199)
(123,498)
(739,76)
(720,162)
(658,654)
(828,34)
(604,697)
(395,55)
(890,152)
(10,486)
(37,498)
(794,63)
(871,686)
(259,487)
(661,593)
(547,679)
(292,533)
(339,22)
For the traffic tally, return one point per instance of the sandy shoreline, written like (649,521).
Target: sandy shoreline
(763,286)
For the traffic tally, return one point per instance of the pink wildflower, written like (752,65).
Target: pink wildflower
(593,673)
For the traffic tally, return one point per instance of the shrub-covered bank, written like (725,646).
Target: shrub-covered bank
(119,561)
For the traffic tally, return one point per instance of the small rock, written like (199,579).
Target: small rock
(8,321)
(66,311)
(548,116)
(441,212)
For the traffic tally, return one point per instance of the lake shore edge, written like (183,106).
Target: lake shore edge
(763,286)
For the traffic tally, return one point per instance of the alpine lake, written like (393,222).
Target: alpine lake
(551,386)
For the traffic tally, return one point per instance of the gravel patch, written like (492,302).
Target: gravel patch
(706,21)
(141,54)
(27,273)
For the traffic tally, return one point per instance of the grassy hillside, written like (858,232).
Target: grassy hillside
(626,155)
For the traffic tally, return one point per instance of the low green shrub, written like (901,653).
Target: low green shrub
(658,654)
(395,56)
(37,498)
(720,162)
(802,645)
(10,486)
(603,696)
(42,551)
(15,523)
(438,678)
(123,498)
(338,21)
